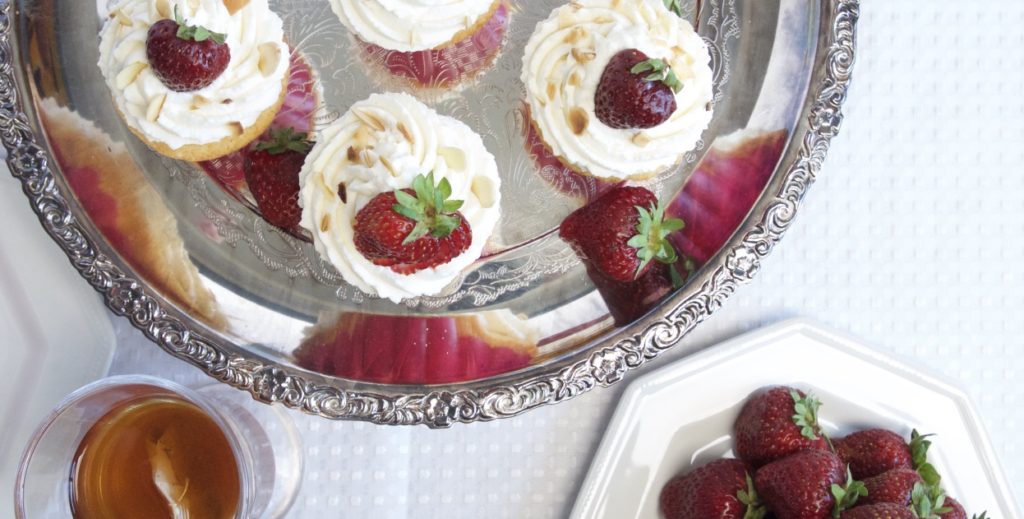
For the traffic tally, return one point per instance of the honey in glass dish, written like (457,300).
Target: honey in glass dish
(155,457)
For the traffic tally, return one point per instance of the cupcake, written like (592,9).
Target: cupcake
(426,44)
(618,89)
(197,79)
(400,199)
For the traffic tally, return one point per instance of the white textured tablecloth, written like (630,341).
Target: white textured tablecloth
(913,239)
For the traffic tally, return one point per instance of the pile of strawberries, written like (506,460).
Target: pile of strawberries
(789,469)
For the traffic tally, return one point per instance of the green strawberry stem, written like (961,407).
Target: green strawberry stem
(928,502)
(283,140)
(651,241)
(676,6)
(196,33)
(847,495)
(658,70)
(749,497)
(431,208)
(806,416)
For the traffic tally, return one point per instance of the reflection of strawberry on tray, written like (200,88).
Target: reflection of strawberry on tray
(418,350)
(789,468)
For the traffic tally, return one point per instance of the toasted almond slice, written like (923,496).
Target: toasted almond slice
(352,154)
(163,8)
(198,102)
(483,188)
(575,79)
(369,119)
(270,58)
(325,223)
(454,157)
(552,91)
(387,164)
(156,106)
(575,35)
(129,74)
(641,139)
(584,55)
(235,5)
(123,18)
(405,133)
(578,120)
(236,128)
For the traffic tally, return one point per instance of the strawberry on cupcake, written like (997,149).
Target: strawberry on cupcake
(195,80)
(400,199)
(618,89)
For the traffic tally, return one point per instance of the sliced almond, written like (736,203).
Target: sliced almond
(405,133)
(122,18)
(641,139)
(483,188)
(583,55)
(390,168)
(552,91)
(270,58)
(236,128)
(129,74)
(575,35)
(575,79)
(325,223)
(352,154)
(369,119)
(156,106)
(578,120)
(454,157)
(163,8)
(198,102)
(235,5)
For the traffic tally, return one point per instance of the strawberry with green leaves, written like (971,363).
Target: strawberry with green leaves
(776,422)
(184,57)
(272,169)
(636,91)
(894,486)
(811,484)
(721,489)
(413,229)
(874,451)
(879,511)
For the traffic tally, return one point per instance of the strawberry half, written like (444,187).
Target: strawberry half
(873,451)
(186,58)
(807,485)
(272,172)
(622,232)
(721,489)
(413,229)
(879,511)
(777,422)
(636,91)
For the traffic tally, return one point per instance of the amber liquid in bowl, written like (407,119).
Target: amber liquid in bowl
(155,457)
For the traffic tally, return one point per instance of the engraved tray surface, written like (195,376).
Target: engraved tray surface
(181,251)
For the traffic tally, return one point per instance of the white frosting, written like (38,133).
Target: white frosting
(600,29)
(402,138)
(238,97)
(410,25)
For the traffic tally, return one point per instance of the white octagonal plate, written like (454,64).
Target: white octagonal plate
(681,416)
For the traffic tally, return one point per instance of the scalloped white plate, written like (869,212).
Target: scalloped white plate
(681,416)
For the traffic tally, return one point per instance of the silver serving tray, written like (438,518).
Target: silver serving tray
(782,69)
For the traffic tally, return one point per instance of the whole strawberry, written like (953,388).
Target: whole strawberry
(636,91)
(621,233)
(776,422)
(894,486)
(879,511)
(956,510)
(811,484)
(413,229)
(272,172)
(186,58)
(873,451)
(719,490)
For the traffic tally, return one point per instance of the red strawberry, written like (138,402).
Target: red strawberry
(879,511)
(621,232)
(272,172)
(873,451)
(810,484)
(413,229)
(956,510)
(636,91)
(776,422)
(186,58)
(931,502)
(894,486)
(720,490)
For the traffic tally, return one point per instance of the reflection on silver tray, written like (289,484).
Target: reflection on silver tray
(782,70)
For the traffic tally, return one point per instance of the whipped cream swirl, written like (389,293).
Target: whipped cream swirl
(251,84)
(380,145)
(411,25)
(562,67)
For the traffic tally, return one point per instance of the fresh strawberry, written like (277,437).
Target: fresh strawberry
(413,229)
(956,510)
(894,486)
(186,58)
(873,451)
(636,91)
(721,489)
(810,484)
(272,172)
(621,232)
(879,511)
(776,422)
(931,502)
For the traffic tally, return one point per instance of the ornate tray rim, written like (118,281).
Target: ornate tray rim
(603,363)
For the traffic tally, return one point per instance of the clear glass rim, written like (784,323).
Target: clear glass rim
(243,458)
